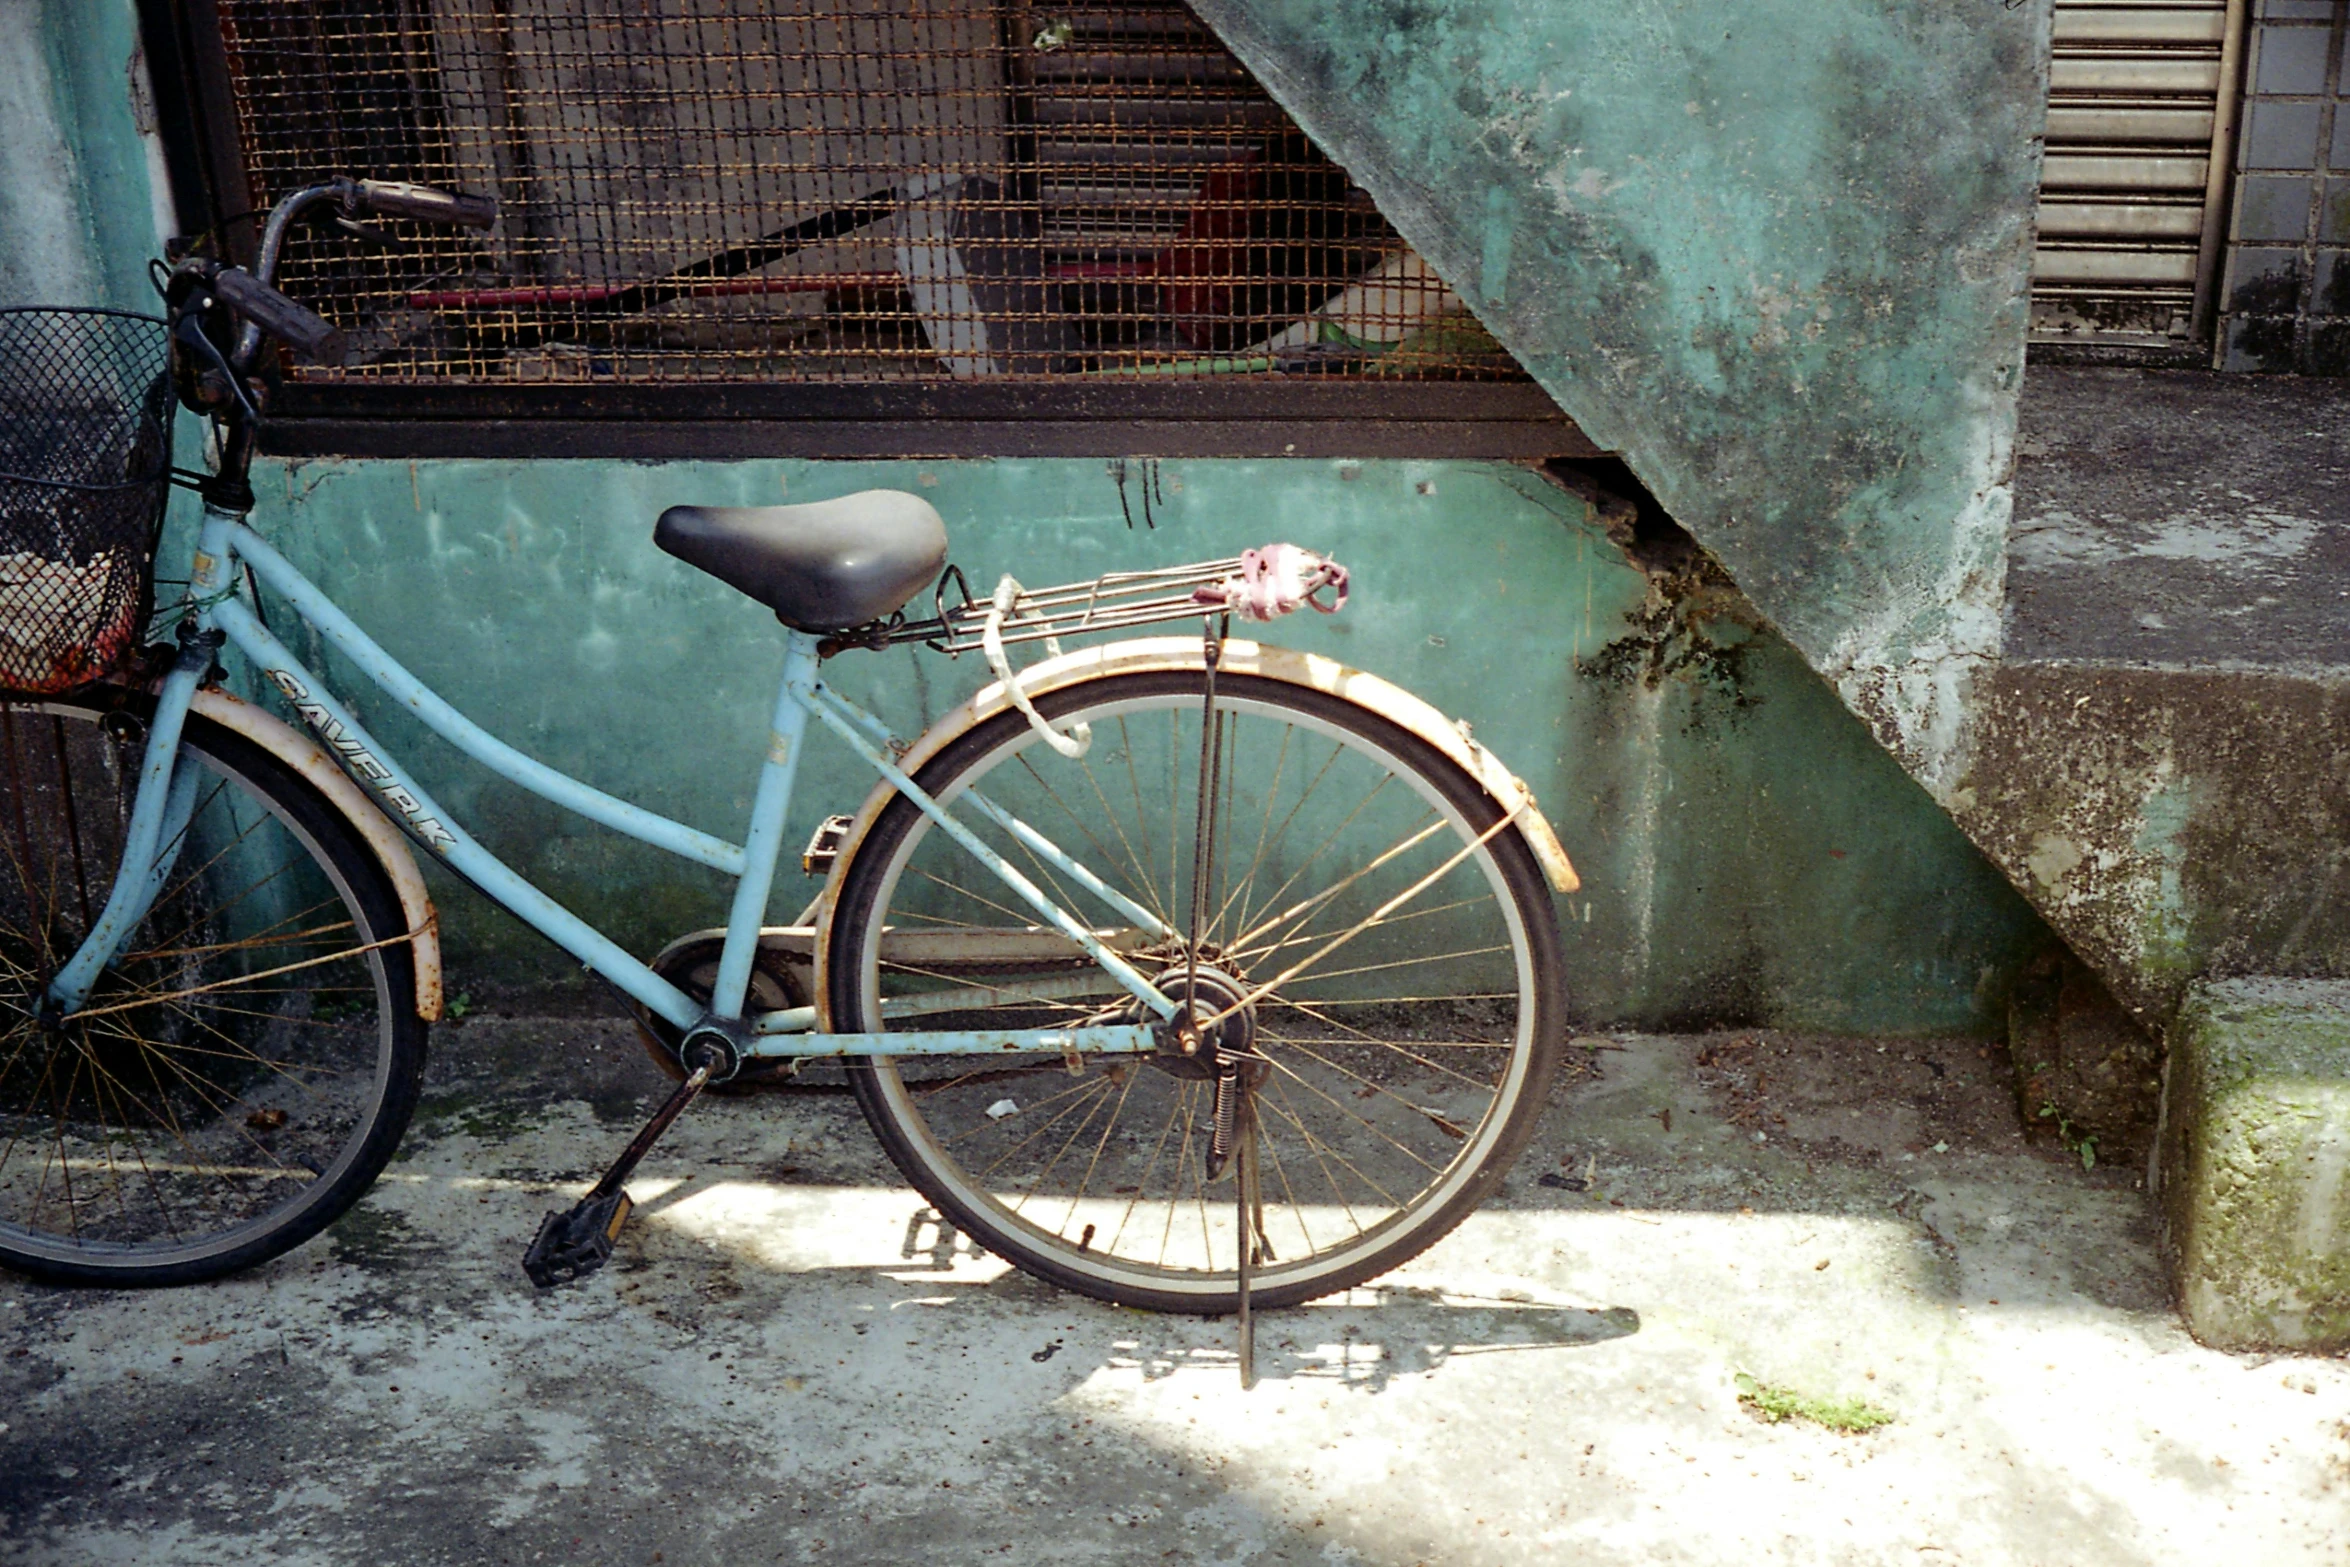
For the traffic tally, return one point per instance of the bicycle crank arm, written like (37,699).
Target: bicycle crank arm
(576,1242)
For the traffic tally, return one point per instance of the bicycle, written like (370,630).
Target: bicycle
(1183,972)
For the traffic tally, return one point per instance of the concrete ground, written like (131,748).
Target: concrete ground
(788,1362)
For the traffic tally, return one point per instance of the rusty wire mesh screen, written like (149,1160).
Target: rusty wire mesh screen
(696,190)
(85,461)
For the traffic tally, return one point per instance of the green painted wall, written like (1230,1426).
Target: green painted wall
(1748,851)
(78,210)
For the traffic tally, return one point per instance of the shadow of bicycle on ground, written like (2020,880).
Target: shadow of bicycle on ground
(1362,1338)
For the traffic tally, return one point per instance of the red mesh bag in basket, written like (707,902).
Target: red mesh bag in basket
(85,464)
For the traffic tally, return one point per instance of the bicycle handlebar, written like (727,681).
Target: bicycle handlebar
(399,199)
(264,310)
(309,334)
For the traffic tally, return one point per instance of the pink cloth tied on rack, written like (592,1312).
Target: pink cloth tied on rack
(1275,580)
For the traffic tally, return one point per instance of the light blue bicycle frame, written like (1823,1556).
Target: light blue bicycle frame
(166,799)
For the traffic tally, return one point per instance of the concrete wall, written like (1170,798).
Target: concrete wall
(82,200)
(2286,291)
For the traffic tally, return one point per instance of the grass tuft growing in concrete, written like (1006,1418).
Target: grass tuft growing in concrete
(1851,1416)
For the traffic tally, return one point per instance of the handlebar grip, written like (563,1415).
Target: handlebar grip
(310,335)
(398,199)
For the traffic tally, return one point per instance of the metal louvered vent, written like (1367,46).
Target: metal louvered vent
(825,190)
(2138,93)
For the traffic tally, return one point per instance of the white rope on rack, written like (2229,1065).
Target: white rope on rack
(1006,606)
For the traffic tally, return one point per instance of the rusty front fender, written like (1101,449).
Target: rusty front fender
(299,752)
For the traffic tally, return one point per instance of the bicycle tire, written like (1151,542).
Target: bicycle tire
(243,1071)
(942,1120)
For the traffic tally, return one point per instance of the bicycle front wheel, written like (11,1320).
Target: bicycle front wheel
(1390,937)
(245,1067)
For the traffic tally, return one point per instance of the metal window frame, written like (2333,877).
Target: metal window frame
(1255,416)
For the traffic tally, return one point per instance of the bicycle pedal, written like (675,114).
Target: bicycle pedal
(573,1244)
(824,846)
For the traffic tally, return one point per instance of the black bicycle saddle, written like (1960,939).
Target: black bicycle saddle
(823,566)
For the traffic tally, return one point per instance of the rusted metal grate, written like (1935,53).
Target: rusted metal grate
(826,190)
(85,461)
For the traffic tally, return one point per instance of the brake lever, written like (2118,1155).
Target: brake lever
(189,330)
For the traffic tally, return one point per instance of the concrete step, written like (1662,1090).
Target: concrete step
(2162,762)
(2255,1179)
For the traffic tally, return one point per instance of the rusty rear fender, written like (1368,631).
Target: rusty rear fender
(1311,670)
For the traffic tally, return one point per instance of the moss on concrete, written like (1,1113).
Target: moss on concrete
(2170,823)
(1774,1405)
(2256,1179)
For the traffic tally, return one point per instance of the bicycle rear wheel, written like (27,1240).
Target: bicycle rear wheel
(1415,1019)
(246,1066)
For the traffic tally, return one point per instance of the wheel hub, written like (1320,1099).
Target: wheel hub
(1190,1045)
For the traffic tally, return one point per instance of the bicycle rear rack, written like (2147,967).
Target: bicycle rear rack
(1113,601)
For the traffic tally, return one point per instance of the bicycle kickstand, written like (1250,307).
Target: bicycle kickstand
(575,1243)
(1233,1136)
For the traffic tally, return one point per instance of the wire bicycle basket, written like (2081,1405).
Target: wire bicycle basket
(85,466)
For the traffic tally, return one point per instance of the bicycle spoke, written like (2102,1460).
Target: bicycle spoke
(1291,1206)
(1371,1085)
(1092,1108)
(1343,1109)
(219,1107)
(1329,840)
(1142,1182)
(238,1051)
(1147,859)
(230,984)
(73,826)
(1315,1150)
(1149,895)
(1324,1150)
(73,1207)
(1251,954)
(992,1123)
(1356,1036)
(1297,912)
(253,943)
(1109,1125)
(1043,1127)
(1015,916)
(1257,854)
